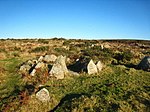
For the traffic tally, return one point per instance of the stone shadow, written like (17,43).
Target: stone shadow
(68,97)
(126,65)
(80,65)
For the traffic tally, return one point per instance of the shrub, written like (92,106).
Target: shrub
(97,53)
(67,42)
(15,54)
(44,41)
(17,48)
(2,50)
(40,49)
(62,51)
(123,57)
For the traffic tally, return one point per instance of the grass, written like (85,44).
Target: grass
(11,83)
(116,88)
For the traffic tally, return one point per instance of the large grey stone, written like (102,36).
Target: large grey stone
(50,58)
(145,63)
(91,67)
(99,66)
(43,95)
(59,68)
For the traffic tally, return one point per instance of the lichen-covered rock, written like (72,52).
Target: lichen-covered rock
(144,64)
(50,58)
(43,95)
(59,68)
(40,59)
(40,65)
(25,68)
(33,72)
(91,67)
(99,66)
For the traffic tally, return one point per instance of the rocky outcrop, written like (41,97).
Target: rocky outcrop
(144,64)
(59,69)
(31,66)
(43,95)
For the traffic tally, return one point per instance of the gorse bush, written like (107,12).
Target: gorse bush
(38,78)
(44,41)
(123,57)
(67,42)
(40,49)
(15,54)
(97,53)
(62,51)
(17,48)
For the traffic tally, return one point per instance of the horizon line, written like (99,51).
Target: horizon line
(82,38)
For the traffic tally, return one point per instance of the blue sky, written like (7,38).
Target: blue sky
(88,19)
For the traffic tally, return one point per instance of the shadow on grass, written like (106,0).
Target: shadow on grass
(68,97)
(130,65)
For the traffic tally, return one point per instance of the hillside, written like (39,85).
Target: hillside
(120,86)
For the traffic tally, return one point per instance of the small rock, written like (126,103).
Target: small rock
(43,95)
(77,59)
(102,46)
(39,65)
(74,73)
(92,45)
(25,68)
(106,45)
(33,72)
(35,61)
(91,67)
(99,66)
(31,63)
(68,60)
(40,59)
